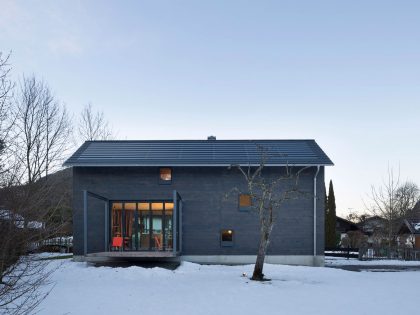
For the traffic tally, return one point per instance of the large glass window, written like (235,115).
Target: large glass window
(141,225)
(157,215)
(144,225)
(116,220)
(130,228)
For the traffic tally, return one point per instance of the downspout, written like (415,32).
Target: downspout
(315,200)
(85,201)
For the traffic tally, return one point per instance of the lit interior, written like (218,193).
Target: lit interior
(165,174)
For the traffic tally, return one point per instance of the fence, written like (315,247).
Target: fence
(345,252)
(63,244)
(385,252)
(374,252)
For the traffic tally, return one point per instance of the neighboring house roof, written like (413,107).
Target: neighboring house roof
(19,220)
(198,153)
(9,215)
(372,224)
(343,225)
(410,227)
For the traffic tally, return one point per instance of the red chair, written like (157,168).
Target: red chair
(117,242)
(157,243)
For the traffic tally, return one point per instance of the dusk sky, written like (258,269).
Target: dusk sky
(345,73)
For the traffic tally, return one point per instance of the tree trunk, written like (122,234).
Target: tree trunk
(259,264)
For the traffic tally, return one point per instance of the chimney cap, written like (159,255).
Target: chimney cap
(211,138)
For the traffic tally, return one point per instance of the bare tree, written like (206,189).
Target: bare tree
(354,239)
(268,195)
(408,195)
(20,289)
(25,223)
(356,217)
(6,87)
(6,121)
(393,202)
(33,130)
(384,203)
(42,130)
(93,126)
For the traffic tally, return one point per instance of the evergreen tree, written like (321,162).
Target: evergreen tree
(330,219)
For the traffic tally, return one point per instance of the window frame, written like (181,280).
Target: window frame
(162,181)
(227,243)
(244,208)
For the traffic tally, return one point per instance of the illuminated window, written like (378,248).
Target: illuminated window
(226,237)
(165,175)
(157,206)
(245,202)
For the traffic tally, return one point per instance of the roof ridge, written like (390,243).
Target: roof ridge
(197,152)
(199,140)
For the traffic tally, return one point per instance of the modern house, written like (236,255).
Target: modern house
(169,199)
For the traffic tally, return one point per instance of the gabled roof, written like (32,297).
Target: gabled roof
(411,226)
(344,225)
(198,153)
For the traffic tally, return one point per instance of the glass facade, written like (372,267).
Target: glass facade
(142,225)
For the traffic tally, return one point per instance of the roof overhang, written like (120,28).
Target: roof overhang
(198,153)
(187,165)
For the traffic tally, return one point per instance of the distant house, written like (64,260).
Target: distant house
(410,232)
(19,221)
(343,226)
(166,199)
(349,232)
(372,225)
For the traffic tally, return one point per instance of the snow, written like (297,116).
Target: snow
(339,261)
(36,225)
(80,288)
(51,255)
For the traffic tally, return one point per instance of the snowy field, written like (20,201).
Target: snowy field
(194,289)
(339,261)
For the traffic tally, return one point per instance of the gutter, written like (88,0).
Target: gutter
(315,199)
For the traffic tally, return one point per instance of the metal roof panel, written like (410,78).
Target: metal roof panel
(198,152)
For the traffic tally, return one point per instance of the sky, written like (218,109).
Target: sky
(345,73)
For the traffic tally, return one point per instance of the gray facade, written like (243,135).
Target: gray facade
(206,209)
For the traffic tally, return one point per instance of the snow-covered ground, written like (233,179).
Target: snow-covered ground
(194,289)
(46,255)
(339,261)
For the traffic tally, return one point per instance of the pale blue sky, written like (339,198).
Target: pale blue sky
(346,73)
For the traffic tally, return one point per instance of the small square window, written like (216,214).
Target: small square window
(245,202)
(226,237)
(165,175)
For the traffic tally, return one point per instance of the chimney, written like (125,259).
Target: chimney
(211,138)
